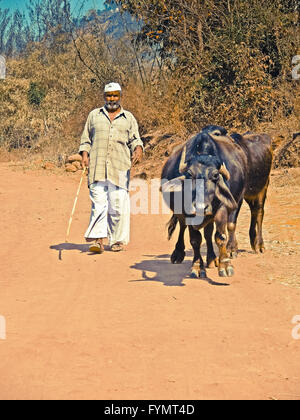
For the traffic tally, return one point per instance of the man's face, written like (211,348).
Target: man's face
(112,101)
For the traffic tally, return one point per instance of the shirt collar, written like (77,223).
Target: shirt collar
(104,111)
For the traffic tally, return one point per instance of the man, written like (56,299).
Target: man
(110,144)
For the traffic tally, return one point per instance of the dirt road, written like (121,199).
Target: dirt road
(131,325)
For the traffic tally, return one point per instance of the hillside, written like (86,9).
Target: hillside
(181,68)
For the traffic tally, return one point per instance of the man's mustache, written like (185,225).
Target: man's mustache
(112,104)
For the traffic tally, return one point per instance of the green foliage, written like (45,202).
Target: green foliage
(232,57)
(36,94)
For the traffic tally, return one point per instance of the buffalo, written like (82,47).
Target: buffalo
(231,168)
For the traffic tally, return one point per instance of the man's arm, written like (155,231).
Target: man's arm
(85,160)
(137,155)
(85,143)
(135,142)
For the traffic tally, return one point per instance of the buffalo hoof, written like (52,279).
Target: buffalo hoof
(226,272)
(198,274)
(177,257)
(230,271)
(258,248)
(222,272)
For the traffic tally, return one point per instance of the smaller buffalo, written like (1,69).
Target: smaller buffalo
(231,168)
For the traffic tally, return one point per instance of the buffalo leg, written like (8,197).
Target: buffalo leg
(178,254)
(225,266)
(232,244)
(211,260)
(257,216)
(198,269)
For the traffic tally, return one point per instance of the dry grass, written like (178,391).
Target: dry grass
(229,83)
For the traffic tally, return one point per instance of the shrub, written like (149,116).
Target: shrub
(36,94)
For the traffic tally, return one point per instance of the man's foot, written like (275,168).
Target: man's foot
(97,247)
(117,247)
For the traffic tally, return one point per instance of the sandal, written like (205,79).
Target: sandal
(117,247)
(97,248)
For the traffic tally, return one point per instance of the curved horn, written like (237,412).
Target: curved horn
(183,165)
(169,186)
(224,171)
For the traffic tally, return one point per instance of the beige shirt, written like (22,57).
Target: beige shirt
(110,145)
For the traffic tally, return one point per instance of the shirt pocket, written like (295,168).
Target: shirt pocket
(121,132)
(100,129)
(100,124)
(121,136)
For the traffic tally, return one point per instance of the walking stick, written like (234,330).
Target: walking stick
(75,202)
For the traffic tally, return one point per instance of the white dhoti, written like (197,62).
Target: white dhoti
(110,215)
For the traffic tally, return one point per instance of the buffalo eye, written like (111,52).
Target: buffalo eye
(217,133)
(215,175)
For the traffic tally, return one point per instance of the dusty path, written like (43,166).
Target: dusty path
(131,325)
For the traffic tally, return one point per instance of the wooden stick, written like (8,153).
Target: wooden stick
(75,202)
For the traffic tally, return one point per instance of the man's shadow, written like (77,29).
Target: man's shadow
(66,246)
(161,270)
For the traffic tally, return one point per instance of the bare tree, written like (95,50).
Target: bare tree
(4,21)
(16,37)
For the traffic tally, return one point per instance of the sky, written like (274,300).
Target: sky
(21,5)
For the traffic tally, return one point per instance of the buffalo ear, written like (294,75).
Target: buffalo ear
(224,195)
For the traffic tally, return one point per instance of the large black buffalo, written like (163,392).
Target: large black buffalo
(232,168)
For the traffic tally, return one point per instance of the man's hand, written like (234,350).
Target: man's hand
(85,160)
(137,155)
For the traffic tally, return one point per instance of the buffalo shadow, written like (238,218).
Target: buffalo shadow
(167,273)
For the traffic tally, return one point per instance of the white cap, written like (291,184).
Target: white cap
(112,87)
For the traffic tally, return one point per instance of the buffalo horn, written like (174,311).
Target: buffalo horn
(224,171)
(183,165)
(167,186)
